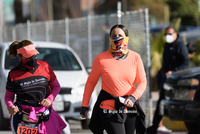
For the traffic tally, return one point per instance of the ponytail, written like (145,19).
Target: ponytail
(13,49)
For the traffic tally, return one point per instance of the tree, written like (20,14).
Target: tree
(18,11)
(196,57)
(155,7)
(106,6)
(187,10)
(66,8)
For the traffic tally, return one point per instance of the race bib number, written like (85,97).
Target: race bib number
(27,128)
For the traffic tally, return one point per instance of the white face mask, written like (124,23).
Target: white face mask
(169,38)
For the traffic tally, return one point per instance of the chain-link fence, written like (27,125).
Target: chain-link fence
(89,36)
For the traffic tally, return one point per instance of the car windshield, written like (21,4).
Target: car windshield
(58,59)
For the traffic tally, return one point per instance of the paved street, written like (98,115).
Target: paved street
(86,132)
(76,129)
(75,126)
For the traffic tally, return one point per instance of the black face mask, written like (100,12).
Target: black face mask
(32,62)
(29,63)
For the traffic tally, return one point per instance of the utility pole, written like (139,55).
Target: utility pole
(119,13)
(1,20)
(32,6)
(166,13)
(50,9)
(90,7)
(90,13)
(124,5)
(198,3)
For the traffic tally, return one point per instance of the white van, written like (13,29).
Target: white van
(70,73)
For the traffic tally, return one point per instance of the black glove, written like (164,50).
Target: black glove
(83,110)
(132,98)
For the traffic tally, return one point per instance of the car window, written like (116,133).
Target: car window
(58,59)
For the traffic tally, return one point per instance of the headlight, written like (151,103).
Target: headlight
(188,82)
(167,87)
(183,89)
(184,94)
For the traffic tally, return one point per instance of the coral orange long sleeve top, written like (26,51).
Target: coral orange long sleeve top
(119,77)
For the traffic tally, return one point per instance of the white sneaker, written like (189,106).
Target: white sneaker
(163,129)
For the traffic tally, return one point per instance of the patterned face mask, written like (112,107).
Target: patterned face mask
(119,46)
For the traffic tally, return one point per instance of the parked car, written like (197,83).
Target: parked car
(182,98)
(70,73)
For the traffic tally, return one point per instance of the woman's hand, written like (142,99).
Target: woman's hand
(13,110)
(128,103)
(45,102)
(130,100)
(83,112)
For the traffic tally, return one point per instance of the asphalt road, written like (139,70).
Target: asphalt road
(76,129)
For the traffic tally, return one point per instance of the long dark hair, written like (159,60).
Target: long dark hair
(119,26)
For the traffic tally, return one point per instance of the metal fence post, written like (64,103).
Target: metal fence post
(47,30)
(89,42)
(1,35)
(1,20)
(67,31)
(28,30)
(119,12)
(148,61)
(14,34)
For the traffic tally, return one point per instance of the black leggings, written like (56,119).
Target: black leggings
(112,127)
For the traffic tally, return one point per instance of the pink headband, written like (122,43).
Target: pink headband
(27,51)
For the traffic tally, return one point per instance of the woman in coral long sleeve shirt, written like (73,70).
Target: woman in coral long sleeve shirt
(120,69)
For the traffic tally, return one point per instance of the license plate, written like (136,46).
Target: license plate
(26,130)
(58,106)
